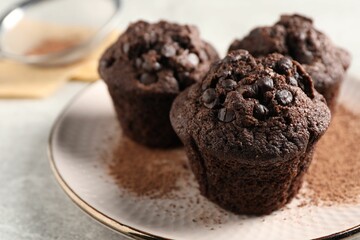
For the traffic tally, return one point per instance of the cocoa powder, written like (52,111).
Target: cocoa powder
(334,175)
(52,46)
(148,172)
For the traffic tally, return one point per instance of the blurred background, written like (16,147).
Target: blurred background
(32,206)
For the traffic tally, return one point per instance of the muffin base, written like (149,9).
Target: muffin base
(144,117)
(247,188)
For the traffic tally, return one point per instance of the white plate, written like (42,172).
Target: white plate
(77,145)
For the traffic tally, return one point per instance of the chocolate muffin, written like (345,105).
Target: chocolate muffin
(145,69)
(249,130)
(296,37)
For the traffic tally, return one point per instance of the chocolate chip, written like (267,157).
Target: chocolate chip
(228,84)
(292,81)
(239,55)
(146,66)
(138,62)
(284,97)
(296,75)
(208,95)
(299,80)
(193,59)
(204,85)
(172,81)
(225,74)
(265,84)
(156,66)
(284,65)
(211,104)
(168,50)
(203,55)
(126,48)
(147,37)
(226,115)
(149,65)
(232,58)
(307,57)
(209,98)
(302,36)
(187,60)
(185,74)
(106,63)
(248,91)
(301,85)
(147,78)
(260,111)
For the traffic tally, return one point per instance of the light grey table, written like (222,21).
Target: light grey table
(32,206)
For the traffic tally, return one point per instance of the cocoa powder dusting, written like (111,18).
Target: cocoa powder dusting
(334,175)
(148,172)
(52,46)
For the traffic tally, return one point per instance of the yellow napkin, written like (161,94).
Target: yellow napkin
(24,81)
(18,80)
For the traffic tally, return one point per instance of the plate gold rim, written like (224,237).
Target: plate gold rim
(124,229)
(107,221)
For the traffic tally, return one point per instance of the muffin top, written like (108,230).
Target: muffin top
(160,57)
(252,108)
(295,36)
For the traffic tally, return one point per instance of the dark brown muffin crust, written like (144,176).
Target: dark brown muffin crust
(295,36)
(249,130)
(145,70)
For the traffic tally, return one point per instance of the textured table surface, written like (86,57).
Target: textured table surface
(32,206)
